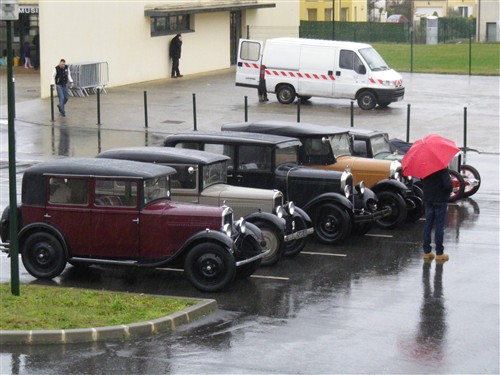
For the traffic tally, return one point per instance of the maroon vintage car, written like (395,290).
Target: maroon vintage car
(114,212)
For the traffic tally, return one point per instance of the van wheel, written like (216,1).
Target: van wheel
(367,100)
(43,256)
(285,94)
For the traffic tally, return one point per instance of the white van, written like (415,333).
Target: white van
(291,67)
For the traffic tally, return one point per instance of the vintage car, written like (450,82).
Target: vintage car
(86,211)
(202,178)
(329,147)
(335,206)
(377,145)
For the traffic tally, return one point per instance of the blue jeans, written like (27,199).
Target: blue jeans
(63,95)
(435,217)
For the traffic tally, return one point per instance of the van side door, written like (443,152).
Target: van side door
(350,74)
(248,63)
(316,77)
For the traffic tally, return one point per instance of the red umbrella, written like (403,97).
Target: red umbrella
(428,155)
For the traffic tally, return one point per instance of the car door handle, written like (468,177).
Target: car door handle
(337,73)
(136,220)
(47,216)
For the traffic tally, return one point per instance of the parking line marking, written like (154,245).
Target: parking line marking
(380,235)
(327,254)
(270,277)
(256,276)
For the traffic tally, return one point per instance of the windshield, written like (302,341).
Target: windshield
(340,144)
(156,188)
(214,174)
(373,59)
(380,145)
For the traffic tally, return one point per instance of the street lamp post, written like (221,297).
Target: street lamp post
(9,12)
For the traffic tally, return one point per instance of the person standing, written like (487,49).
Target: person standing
(61,78)
(437,189)
(175,54)
(27,55)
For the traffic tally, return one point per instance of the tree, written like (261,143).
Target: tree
(403,7)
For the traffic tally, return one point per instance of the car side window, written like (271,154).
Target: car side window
(221,149)
(68,190)
(256,158)
(115,193)
(183,179)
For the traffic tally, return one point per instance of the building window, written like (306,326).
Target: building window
(312,14)
(169,25)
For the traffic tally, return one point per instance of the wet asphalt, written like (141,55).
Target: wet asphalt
(370,305)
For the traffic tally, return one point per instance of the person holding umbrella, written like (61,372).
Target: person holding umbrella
(428,159)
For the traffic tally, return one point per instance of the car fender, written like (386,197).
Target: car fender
(44,227)
(330,197)
(267,217)
(388,184)
(299,212)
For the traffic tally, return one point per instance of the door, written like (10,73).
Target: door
(248,63)
(235,34)
(350,74)
(115,219)
(316,71)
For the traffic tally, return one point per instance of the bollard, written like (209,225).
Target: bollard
(352,114)
(408,124)
(51,102)
(14,95)
(298,109)
(98,106)
(194,112)
(465,129)
(246,108)
(145,109)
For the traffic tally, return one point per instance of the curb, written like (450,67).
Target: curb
(121,332)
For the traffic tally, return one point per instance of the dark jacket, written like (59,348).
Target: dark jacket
(437,187)
(175,47)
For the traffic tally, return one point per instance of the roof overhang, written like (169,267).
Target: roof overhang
(181,7)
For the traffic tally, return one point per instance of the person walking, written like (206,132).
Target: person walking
(437,189)
(175,54)
(27,55)
(61,78)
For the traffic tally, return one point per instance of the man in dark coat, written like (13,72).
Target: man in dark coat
(437,189)
(175,55)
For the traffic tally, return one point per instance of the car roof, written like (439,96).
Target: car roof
(233,138)
(164,155)
(362,131)
(285,128)
(33,186)
(98,167)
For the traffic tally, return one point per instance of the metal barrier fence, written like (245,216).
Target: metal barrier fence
(88,77)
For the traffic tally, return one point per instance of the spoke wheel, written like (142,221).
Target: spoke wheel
(472,179)
(458,184)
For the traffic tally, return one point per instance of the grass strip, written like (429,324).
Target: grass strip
(43,307)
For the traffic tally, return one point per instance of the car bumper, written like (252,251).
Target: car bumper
(252,259)
(299,234)
(361,216)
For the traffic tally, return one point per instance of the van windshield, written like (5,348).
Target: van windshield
(373,59)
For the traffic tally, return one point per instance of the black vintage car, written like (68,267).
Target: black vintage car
(335,206)
(202,178)
(86,211)
(330,147)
